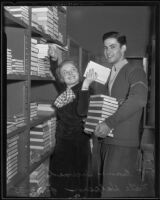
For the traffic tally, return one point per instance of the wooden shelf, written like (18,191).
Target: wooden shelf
(17,131)
(40,119)
(21,177)
(42,159)
(16,77)
(16,180)
(38,78)
(12,21)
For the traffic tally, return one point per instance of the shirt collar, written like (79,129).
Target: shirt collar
(120,64)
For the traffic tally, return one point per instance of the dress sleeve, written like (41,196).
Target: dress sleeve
(83,101)
(53,67)
(136,99)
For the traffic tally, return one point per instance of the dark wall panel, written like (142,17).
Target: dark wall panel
(86,24)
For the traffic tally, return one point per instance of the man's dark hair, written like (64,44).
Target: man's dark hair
(113,34)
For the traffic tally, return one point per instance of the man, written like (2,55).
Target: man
(116,156)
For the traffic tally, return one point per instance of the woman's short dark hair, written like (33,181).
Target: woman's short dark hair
(113,34)
(66,61)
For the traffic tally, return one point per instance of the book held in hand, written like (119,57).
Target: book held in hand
(102,72)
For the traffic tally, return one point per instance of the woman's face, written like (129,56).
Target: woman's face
(69,74)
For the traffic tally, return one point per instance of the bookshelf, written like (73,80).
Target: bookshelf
(26,89)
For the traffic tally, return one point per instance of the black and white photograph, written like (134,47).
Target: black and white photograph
(79,100)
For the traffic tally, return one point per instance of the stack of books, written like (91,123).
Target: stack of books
(33,110)
(62,26)
(42,50)
(34,57)
(12,157)
(56,21)
(34,22)
(11,126)
(18,66)
(46,169)
(21,12)
(41,67)
(42,41)
(9,61)
(100,108)
(45,109)
(52,129)
(19,119)
(39,141)
(45,18)
(44,67)
(38,180)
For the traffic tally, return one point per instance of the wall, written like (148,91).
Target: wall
(86,24)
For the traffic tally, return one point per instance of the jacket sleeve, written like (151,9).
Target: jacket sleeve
(136,99)
(53,67)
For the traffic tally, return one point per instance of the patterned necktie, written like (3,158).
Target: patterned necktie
(66,97)
(111,78)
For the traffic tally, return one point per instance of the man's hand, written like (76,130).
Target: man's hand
(102,130)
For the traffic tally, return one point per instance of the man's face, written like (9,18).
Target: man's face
(113,51)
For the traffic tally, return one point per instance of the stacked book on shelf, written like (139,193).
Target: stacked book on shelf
(56,22)
(43,60)
(34,22)
(19,119)
(18,66)
(40,141)
(62,27)
(44,68)
(34,57)
(100,108)
(16,121)
(33,110)
(21,12)
(11,126)
(45,109)
(9,61)
(52,130)
(14,66)
(44,17)
(12,157)
(39,180)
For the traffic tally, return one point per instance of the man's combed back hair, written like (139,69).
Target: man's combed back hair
(113,34)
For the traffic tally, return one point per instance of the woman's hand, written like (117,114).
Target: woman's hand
(52,52)
(90,77)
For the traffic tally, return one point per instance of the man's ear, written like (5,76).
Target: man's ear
(124,48)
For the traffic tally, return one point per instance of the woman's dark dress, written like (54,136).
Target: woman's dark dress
(69,161)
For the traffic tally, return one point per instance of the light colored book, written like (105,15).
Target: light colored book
(102,72)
